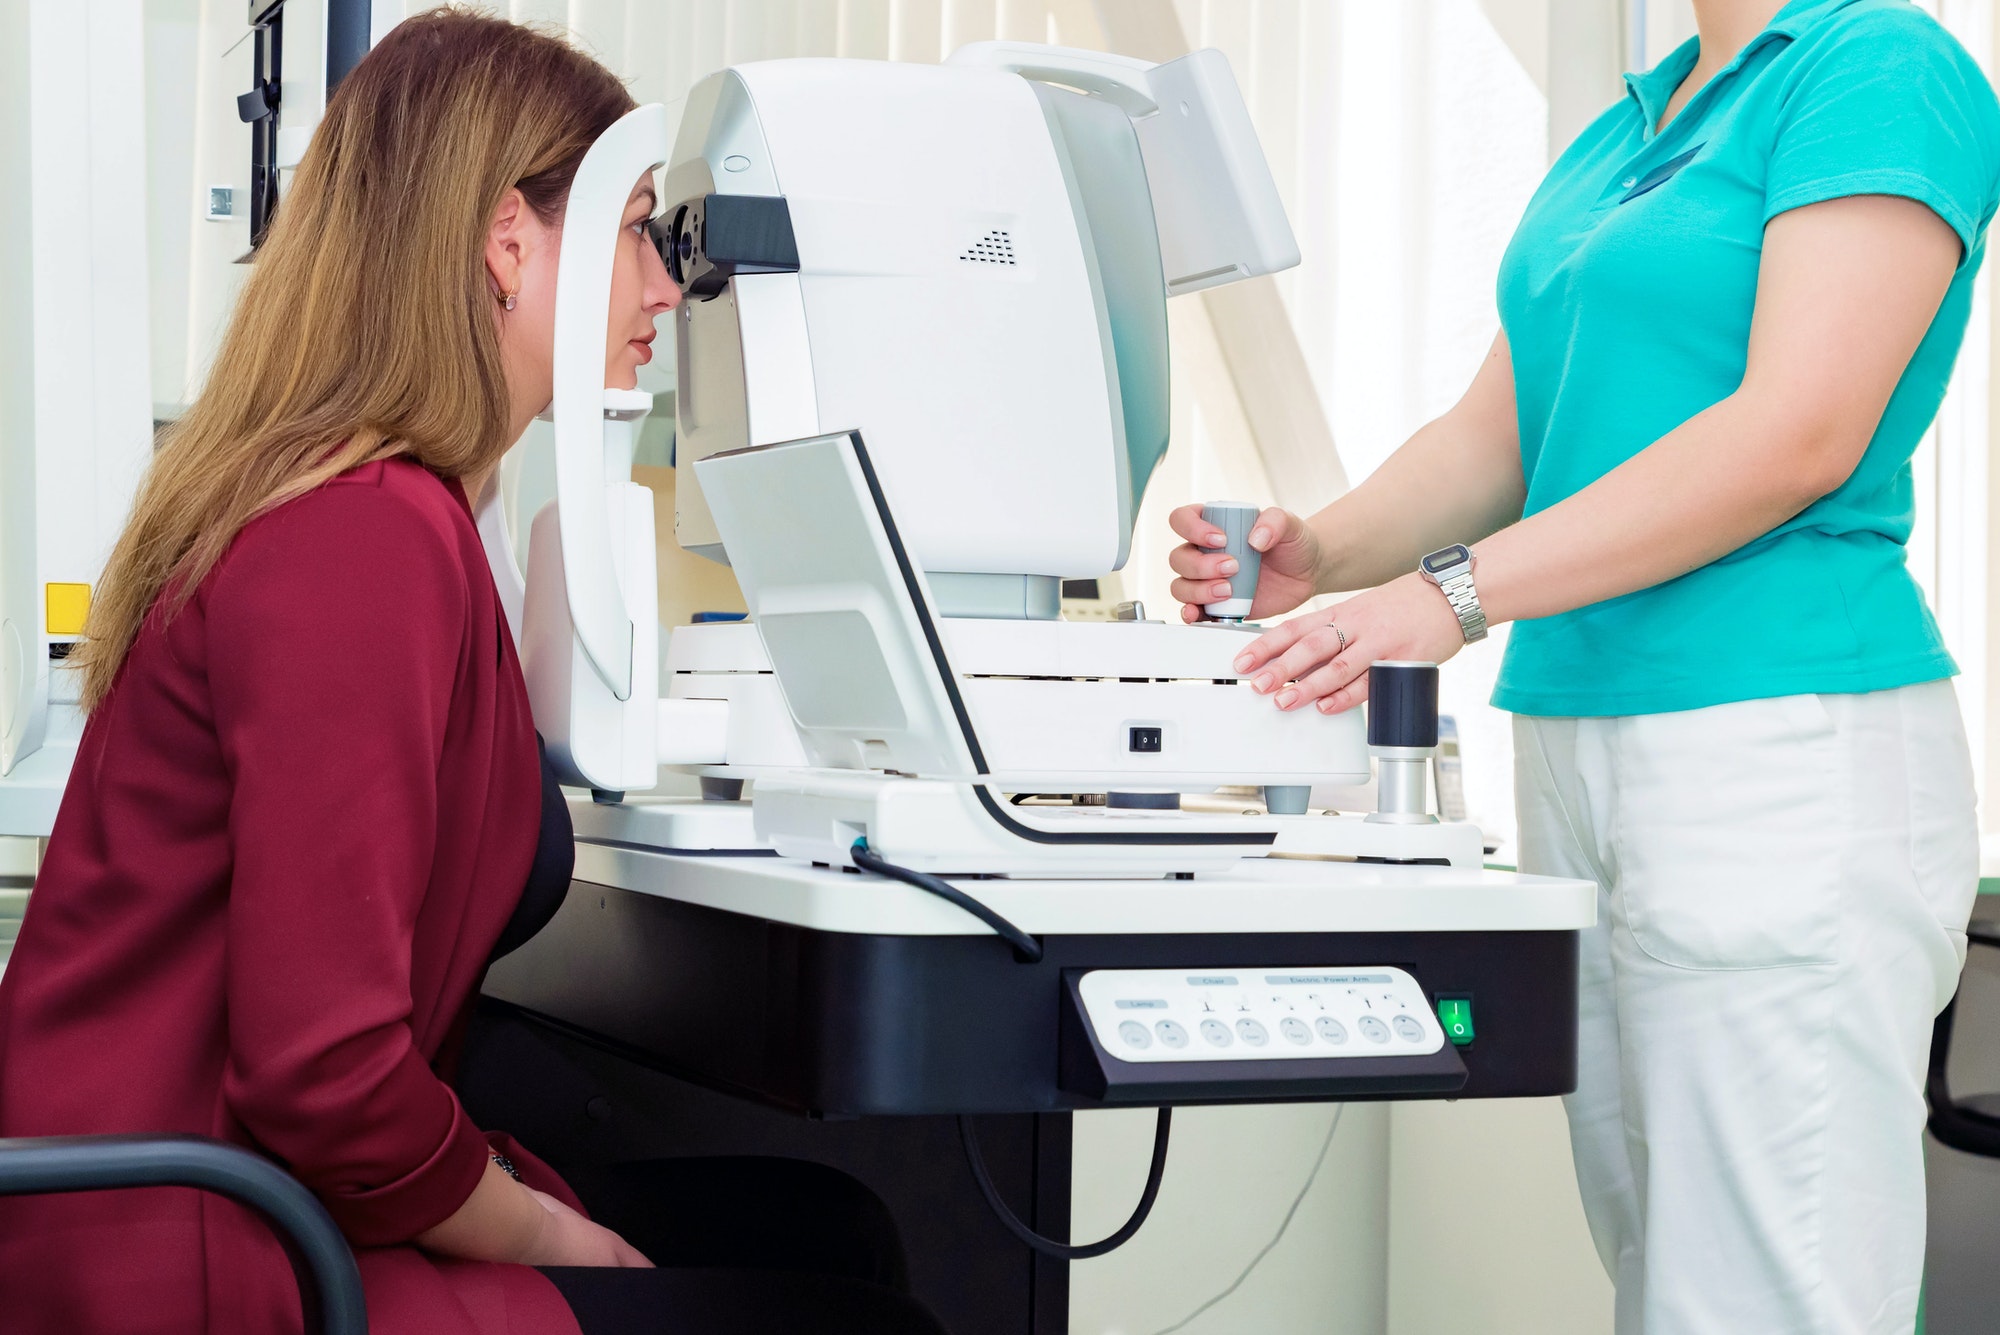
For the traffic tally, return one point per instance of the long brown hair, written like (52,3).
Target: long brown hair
(366,330)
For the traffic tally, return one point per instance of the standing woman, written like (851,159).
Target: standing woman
(308,808)
(1728,316)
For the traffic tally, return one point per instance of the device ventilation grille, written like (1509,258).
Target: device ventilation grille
(996,247)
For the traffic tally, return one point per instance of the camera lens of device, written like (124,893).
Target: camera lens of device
(679,250)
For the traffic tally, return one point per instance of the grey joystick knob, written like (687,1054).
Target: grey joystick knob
(1235,519)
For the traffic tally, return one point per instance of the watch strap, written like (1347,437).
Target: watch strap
(1457,589)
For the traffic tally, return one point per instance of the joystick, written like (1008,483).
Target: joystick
(1235,519)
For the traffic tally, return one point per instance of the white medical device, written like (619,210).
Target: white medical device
(589,638)
(966,268)
(300,50)
(923,378)
(76,424)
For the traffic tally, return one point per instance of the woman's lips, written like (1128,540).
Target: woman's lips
(645,351)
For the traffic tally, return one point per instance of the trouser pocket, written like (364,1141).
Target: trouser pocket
(1729,824)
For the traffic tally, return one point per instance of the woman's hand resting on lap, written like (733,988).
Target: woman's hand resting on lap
(505,1220)
(567,1238)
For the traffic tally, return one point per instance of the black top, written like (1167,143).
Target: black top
(549,873)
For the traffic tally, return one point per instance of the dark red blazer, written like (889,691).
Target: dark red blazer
(292,836)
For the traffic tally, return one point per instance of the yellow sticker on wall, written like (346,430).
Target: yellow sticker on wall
(67,606)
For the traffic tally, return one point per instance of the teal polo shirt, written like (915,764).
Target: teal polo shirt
(1626,295)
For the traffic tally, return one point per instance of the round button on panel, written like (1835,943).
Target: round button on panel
(1135,1034)
(1295,1030)
(1408,1028)
(1374,1030)
(1256,1035)
(1171,1034)
(1216,1032)
(1330,1029)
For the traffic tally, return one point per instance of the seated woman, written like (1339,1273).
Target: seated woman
(308,798)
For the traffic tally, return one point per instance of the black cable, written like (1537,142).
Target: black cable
(868,860)
(1049,1246)
(1031,949)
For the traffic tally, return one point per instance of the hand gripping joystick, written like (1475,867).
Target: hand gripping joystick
(1402,734)
(1235,519)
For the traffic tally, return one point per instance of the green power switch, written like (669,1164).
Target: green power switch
(1455,1014)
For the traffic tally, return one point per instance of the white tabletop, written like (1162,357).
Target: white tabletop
(1253,895)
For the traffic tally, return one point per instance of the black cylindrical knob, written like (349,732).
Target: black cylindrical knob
(1403,704)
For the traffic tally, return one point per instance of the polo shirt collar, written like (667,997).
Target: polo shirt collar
(1652,89)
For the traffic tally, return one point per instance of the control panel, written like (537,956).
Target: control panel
(1271,1014)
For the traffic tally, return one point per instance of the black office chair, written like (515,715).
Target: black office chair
(329,1282)
(1968,1122)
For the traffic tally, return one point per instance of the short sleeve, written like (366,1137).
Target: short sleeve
(1889,104)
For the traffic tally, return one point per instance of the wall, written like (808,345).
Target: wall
(1231,1177)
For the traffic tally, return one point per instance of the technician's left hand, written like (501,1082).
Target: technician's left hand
(1321,659)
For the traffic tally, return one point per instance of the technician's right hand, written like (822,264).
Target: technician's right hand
(1291,562)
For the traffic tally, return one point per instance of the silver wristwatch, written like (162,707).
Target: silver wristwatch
(1450,568)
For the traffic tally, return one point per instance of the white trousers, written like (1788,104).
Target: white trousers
(1784,888)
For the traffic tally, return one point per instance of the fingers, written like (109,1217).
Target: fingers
(1309,687)
(1194,593)
(1272,527)
(1195,563)
(1312,650)
(1271,644)
(1204,575)
(1306,661)
(1334,682)
(1187,522)
(1347,697)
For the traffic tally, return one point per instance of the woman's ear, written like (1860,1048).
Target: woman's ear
(508,243)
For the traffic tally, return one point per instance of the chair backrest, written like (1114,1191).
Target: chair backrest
(329,1282)
(1954,1123)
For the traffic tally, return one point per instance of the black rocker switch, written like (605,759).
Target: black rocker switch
(1146,740)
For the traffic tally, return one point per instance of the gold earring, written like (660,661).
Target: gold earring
(507,301)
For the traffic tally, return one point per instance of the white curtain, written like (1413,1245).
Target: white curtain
(1952,549)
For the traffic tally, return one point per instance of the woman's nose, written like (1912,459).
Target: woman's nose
(661,293)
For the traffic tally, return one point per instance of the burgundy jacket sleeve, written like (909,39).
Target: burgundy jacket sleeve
(335,632)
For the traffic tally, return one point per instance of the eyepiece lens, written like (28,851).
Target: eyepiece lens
(679,247)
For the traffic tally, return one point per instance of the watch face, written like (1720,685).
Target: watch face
(1440,561)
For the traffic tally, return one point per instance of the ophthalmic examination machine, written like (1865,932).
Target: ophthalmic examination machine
(942,887)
